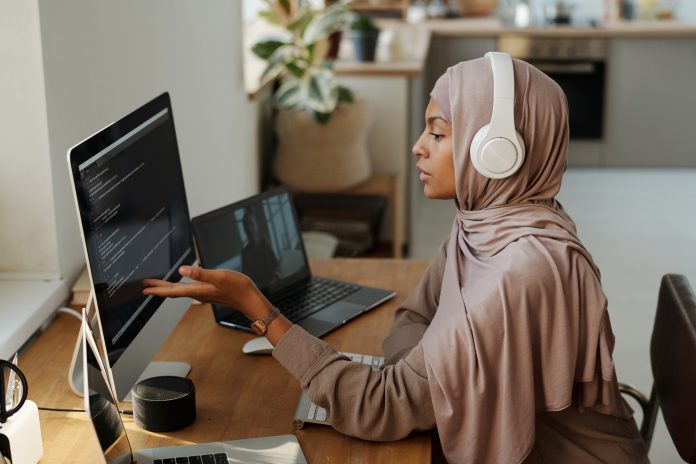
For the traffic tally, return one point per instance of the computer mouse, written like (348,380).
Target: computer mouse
(259,345)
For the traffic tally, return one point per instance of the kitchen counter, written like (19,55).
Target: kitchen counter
(403,47)
(414,39)
(493,27)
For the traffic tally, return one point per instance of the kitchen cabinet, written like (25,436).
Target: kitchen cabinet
(448,51)
(650,103)
(650,99)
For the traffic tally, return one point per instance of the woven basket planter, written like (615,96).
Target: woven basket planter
(330,157)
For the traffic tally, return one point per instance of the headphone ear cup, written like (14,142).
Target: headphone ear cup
(477,155)
(520,153)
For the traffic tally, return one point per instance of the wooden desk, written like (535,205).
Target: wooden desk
(237,396)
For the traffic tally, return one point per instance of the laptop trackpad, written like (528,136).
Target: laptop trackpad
(338,312)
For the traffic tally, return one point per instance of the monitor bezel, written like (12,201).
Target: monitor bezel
(143,344)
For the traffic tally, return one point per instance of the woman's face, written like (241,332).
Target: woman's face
(435,159)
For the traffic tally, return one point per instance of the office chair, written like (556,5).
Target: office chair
(673,359)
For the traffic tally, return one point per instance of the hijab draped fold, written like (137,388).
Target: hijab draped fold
(522,323)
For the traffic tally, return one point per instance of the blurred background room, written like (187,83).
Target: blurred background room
(342,137)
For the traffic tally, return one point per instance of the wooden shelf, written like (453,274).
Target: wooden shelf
(377,6)
(384,185)
(401,6)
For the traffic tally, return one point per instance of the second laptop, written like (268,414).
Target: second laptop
(260,237)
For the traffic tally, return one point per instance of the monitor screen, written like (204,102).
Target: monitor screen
(130,193)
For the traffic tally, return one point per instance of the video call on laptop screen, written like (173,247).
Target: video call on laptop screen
(134,213)
(259,238)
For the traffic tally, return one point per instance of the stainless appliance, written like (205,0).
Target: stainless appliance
(578,66)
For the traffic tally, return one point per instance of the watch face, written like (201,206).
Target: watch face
(259,327)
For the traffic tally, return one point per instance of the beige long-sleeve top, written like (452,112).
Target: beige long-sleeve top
(389,404)
(375,405)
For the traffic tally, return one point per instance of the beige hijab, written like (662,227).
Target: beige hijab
(522,323)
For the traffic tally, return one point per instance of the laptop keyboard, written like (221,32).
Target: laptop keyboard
(319,414)
(303,301)
(218,458)
(310,298)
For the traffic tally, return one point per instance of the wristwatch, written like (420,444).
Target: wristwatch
(260,326)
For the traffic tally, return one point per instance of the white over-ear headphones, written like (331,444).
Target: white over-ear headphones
(497,150)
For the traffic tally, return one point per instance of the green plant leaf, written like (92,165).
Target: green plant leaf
(288,94)
(321,94)
(277,63)
(322,118)
(345,95)
(363,23)
(332,19)
(295,70)
(270,16)
(310,53)
(265,49)
(271,71)
(299,25)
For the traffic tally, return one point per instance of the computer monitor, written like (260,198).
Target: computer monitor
(131,204)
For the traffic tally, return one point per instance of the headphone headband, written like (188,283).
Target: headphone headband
(497,150)
(503,117)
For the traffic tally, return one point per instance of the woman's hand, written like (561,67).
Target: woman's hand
(219,286)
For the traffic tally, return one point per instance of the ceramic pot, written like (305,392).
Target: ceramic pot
(364,45)
(330,157)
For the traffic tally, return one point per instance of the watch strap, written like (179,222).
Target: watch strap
(260,326)
(275,312)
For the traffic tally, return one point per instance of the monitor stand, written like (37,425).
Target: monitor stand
(76,376)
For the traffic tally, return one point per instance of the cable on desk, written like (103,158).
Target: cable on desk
(128,412)
(70,311)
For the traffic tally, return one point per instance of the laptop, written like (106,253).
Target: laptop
(102,410)
(260,236)
(309,412)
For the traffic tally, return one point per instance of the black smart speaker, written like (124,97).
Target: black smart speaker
(163,404)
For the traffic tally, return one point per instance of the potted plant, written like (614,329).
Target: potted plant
(364,34)
(321,128)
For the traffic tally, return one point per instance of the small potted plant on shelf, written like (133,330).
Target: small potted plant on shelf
(364,34)
(322,129)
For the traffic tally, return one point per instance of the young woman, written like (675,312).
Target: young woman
(505,345)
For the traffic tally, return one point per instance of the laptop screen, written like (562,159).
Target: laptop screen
(101,406)
(258,236)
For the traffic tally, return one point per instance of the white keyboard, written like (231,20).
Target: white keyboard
(310,412)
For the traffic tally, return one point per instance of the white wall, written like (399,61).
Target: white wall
(27,228)
(687,11)
(102,59)
(388,138)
